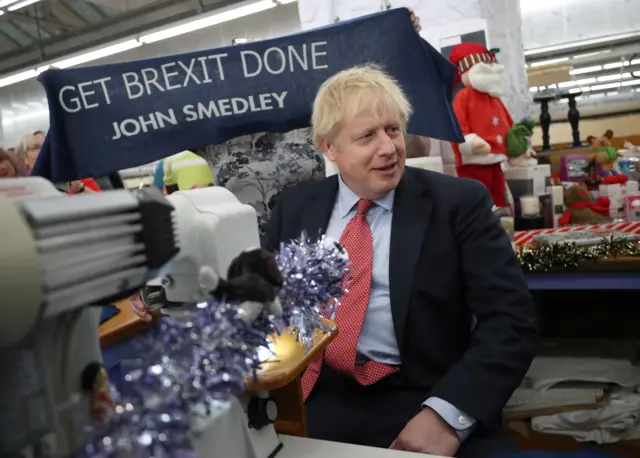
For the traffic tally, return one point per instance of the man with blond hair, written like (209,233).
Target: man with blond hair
(438,327)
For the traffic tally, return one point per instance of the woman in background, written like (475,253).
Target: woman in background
(8,168)
(29,147)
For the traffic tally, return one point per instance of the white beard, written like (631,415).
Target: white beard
(487,78)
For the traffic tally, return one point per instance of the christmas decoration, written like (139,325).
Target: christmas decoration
(570,256)
(190,362)
(605,156)
(519,147)
(484,119)
(581,208)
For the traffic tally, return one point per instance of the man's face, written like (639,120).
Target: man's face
(369,151)
(7,170)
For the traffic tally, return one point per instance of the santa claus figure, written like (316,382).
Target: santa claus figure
(484,119)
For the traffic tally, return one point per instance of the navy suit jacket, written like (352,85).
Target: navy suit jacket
(450,261)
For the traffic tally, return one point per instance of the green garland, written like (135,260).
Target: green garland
(554,257)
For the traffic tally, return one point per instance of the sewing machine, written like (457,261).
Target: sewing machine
(213,228)
(58,255)
(66,252)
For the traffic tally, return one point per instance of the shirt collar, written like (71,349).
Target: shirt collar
(347,199)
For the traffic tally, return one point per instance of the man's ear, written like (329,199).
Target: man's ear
(327,149)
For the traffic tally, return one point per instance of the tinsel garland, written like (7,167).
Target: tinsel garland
(313,274)
(566,256)
(189,363)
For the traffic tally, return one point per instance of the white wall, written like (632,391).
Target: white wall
(23,106)
(551,22)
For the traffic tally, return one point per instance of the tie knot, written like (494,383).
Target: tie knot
(364,206)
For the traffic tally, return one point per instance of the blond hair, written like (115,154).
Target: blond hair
(23,144)
(349,92)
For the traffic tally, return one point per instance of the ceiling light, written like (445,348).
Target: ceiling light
(1,13)
(615,65)
(580,71)
(601,87)
(630,83)
(533,89)
(284,2)
(543,63)
(586,81)
(567,84)
(216,18)
(93,55)
(590,54)
(18,77)
(4,3)
(615,77)
(17,6)
(578,44)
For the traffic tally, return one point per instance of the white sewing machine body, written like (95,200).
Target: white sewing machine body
(61,254)
(213,228)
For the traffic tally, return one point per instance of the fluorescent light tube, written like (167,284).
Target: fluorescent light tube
(600,87)
(543,63)
(4,3)
(577,44)
(216,18)
(93,55)
(580,71)
(18,77)
(17,6)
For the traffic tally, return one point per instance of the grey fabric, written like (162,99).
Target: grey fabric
(257,167)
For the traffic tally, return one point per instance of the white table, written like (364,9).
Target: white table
(299,447)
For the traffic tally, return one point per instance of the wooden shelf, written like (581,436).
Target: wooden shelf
(290,358)
(122,326)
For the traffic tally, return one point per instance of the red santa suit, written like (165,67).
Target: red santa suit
(481,116)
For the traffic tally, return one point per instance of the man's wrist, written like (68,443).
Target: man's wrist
(462,423)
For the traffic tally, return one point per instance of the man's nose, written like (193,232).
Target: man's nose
(387,146)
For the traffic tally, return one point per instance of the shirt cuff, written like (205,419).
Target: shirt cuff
(461,423)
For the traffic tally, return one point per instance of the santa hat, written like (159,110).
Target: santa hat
(466,55)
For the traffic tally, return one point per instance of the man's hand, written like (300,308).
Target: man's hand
(139,308)
(415,20)
(427,433)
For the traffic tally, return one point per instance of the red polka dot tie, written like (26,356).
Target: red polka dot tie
(341,353)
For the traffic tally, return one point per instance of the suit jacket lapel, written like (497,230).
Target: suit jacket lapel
(411,215)
(319,207)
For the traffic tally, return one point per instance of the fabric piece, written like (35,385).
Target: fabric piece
(108,312)
(341,353)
